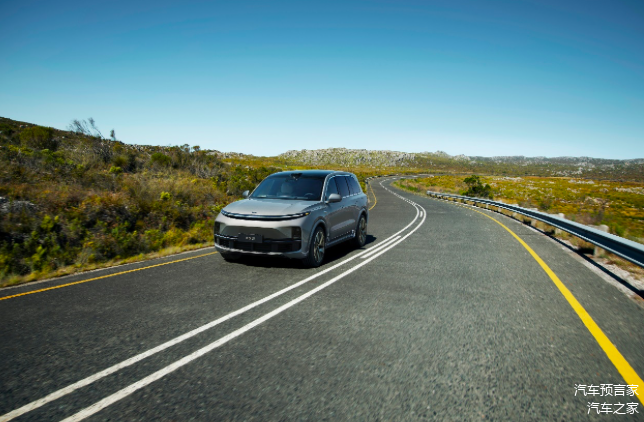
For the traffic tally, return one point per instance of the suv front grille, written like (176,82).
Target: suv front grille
(266,246)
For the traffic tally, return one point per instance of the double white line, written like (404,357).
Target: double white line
(368,256)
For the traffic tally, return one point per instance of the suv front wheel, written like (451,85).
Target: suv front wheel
(317,247)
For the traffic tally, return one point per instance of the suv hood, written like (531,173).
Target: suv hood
(269,207)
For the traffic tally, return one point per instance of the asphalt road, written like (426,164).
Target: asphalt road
(452,319)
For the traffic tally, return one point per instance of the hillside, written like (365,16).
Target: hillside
(73,200)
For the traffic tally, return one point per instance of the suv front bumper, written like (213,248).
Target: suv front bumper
(286,247)
(277,236)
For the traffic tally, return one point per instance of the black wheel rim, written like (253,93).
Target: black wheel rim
(362,231)
(318,246)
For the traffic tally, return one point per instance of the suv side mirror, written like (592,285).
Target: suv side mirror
(334,197)
(245,194)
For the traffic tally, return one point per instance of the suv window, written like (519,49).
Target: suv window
(354,186)
(343,188)
(331,187)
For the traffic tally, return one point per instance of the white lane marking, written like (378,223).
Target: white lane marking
(109,400)
(380,246)
(131,361)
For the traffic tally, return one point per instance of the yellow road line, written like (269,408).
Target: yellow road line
(104,276)
(622,365)
(375,200)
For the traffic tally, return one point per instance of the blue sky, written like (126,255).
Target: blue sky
(551,78)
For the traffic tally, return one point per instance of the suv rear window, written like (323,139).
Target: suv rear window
(354,186)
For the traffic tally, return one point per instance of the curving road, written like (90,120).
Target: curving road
(443,315)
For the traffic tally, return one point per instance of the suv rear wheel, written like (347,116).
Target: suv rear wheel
(361,232)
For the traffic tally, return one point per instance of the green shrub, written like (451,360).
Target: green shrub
(160,159)
(7,130)
(476,188)
(125,161)
(619,230)
(119,160)
(38,137)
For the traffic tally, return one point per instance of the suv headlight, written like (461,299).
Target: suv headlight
(302,214)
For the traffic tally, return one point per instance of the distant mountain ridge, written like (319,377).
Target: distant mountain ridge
(632,169)
(558,160)
(393,158)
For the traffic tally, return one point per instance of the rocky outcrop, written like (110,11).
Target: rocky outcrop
(8,206)
(351,157)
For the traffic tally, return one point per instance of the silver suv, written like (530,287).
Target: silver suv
(296,214)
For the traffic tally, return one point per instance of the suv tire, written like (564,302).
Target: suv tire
(361,232)
(317,248)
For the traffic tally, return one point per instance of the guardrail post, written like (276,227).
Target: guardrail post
(557,230)
(597,251)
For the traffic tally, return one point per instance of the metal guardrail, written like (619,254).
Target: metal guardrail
(627,249)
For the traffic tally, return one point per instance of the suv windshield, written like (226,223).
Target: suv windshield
(294,186)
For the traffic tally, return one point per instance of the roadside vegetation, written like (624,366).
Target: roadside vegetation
(618,206)
(75,200)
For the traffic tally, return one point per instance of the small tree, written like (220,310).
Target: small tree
(476,187)
(85,127)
